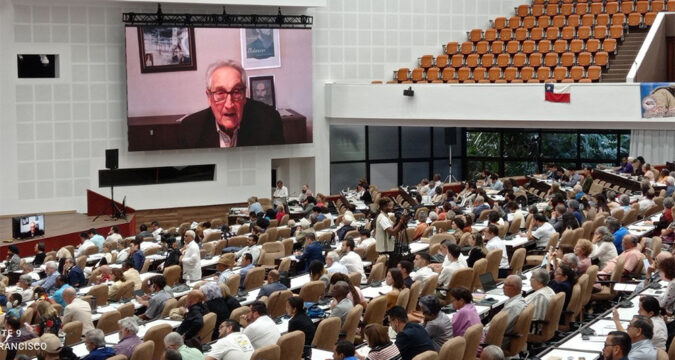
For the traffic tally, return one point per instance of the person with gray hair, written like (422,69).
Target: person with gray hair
(670,185)
(344,305)
(94,340)
(492,352)
(333,264)
(49,282)
(239,121)
(624,202)
(603,246)
(128,337)
(618,231)
(513,286)
(542,295)
(478,206)
(174,341)
(641,331)
(23,287)
(571,260)
(190,261)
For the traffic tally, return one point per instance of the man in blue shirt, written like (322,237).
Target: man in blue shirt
(273,285)
(479,205)
(411,338)
(246,265)
(618,231)
(74,273)
(344,350)
(313,251)
(626,166)
(49,282)
(61,284)
(137,255)
(97,239)
(94,340)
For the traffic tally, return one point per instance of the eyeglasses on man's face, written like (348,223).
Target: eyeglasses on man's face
(220,95)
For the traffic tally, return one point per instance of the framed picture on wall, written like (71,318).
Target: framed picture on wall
(260,48)
(262,89)
(164,48)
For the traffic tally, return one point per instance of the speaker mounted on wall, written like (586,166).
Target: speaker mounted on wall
(112,159)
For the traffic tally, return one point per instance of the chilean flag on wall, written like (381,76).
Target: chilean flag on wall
(557,93)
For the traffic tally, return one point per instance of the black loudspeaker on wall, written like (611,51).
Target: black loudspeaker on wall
(112,158)
(451,136)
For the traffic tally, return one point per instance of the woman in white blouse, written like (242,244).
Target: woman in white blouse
(603,246)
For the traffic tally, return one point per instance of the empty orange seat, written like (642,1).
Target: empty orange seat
(657,5)
(487,60)
(649,18)
(609,46)
(642,7)
(585,80)
(526,73)
(566,9)
(559,73)
(505,34)
(514,22)
(482,47)
(544,46)
(616,32)
(433,75)
(500,81)
(612,7)
(552,33)
(510,73)
(536,59)
(451,48)
(417,75)
(519,60)
(544,21)
(551,59)
(634,19)
(560,46)
(559,21)
(523,10)
(574,20)
(543,73)
(551,9)
(536,34)
(581,8)
(512,47)
(442,61)
(426,61)
(466,48)
(453,81)
(567,59)
(577,72)
(448,74)
(567,80)
(457,60)
(529,46)
(479,73)
(503,60)
(627,7)
(497,47)
(619,19)
(537,9)
(475,35)
(533,80)
(576,46)
(521,34)
(596,8)
(500,23)
(484,81)
(583,32)
(472,60)
(584,59)
(593,45)
(494,73)
(402,74)
(602,19)
(588,20)
(490,35)
(469,81)
(600,32)
(670,6)
(601,58)
(463,74)
(594,73)
(529,22)
(567,33)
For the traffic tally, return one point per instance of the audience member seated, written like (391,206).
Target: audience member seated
(365,239)
(114,234)
(351,260)
(85,243)
(411,338)
(478,250)
(478,206)
(344,350)
(424,271)
(347,220)
(333,264)
(224,268)
(94,340)
(513,287)
(650,309)
(603,246)
(272,285)
(466,314)
(618,231)
(540,230)
(381,347)
(23,287)
(406,268)
(631,253)
(219,303)
(260,328)
(48,319)
(251,247)
(118,280)
(246,266)
(453,262)
(641,332)
(492,352)
(77,310)
(541,295)
(437,324)
(667,273)
(61,285)
(74,273)
(131,274)
(232,344)
(318,272)
(564,279)
(421,227)
(395,280)
(342,304)
(173,341)
(14,334)
(13,259)
(194,318)
(128,338)
(160,294)
(299,320)
(493,243)
(313,251)
(49,282)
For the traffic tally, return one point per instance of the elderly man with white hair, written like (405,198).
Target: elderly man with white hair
(347,220)
(542,295)
(670,186)
(48,283)
(174,341)
(515,305)
(333,264)
(492,352)
(128,337)
(23,287)
(191,260)
(94,340)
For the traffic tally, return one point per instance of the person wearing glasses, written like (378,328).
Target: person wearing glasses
(231,119)
(617,346)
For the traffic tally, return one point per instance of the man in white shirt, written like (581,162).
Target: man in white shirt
(385,230)
(542,295)
(351,260)
(455,262)
(23,287)
(156,230)
(252,248)
(260,329)
(77,310)
(280,194)
(85,243)
(333,264)
(423,271)
(232,344)
(542,232)
(114,234)
(304,193)
(493,243)
(365,239)
(191,260)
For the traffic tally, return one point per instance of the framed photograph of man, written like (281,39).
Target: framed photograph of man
(164,48)
(260,48)
(262,89)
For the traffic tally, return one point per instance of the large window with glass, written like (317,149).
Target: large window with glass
(511,152)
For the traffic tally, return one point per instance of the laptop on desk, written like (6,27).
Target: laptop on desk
(489,284)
